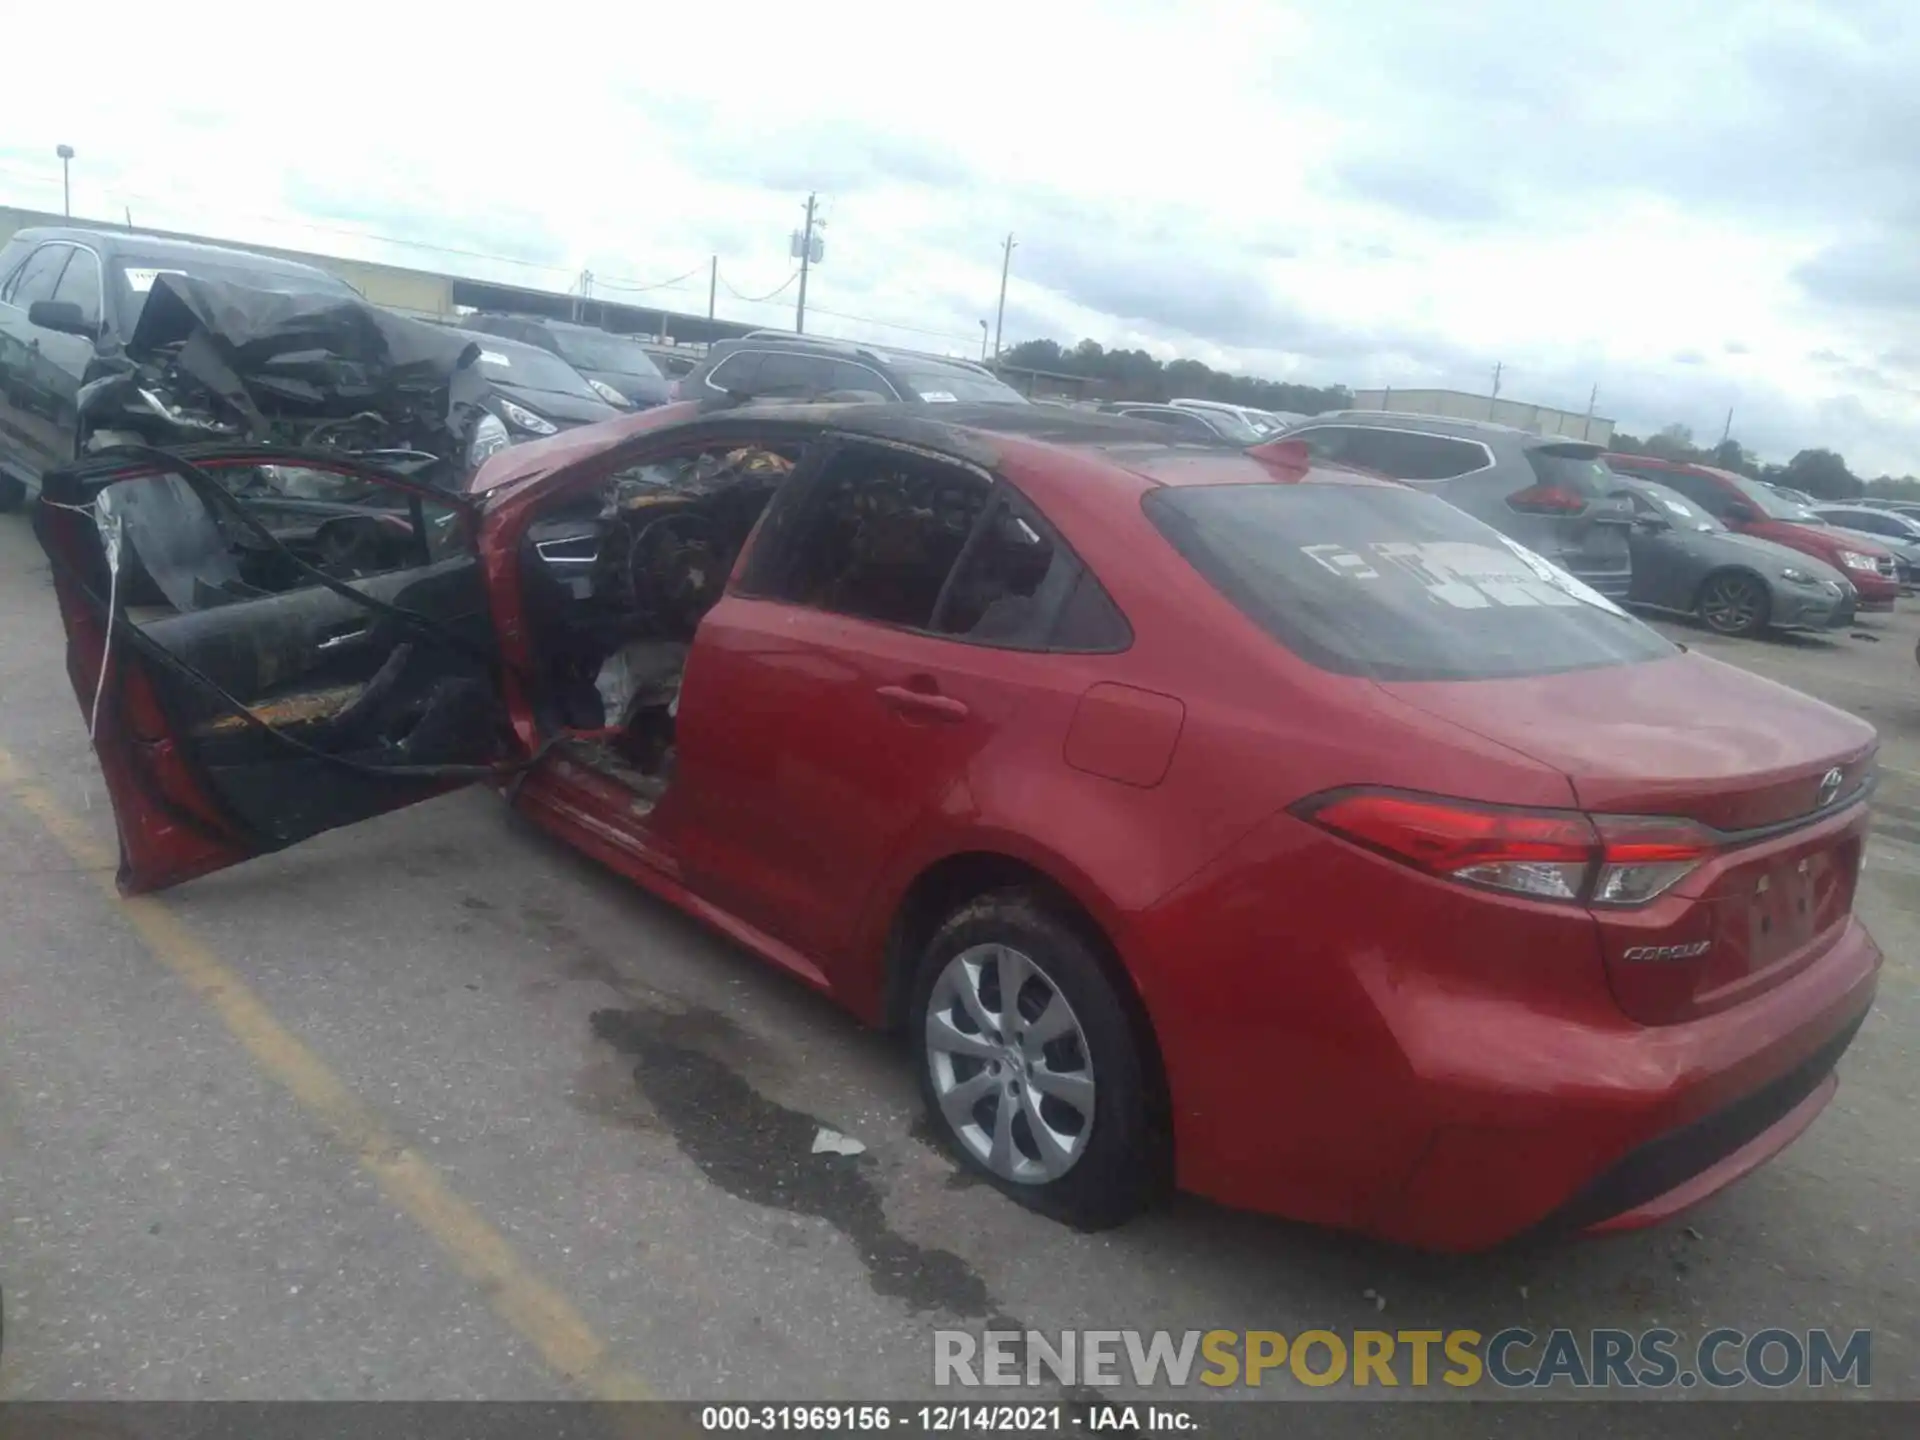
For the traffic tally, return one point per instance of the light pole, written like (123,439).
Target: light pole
(806,248)
(65,152)
(1006,264)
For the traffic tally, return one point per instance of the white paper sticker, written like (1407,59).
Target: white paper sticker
(140,278)
(939,397)
(494,357)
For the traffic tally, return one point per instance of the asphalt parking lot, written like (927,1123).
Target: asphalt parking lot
(434,1108)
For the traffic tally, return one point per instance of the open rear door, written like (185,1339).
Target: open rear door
(297,642)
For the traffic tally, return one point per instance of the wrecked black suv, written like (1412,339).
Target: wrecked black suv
(261,372)
(71,298)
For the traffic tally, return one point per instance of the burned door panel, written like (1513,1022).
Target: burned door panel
(290,691)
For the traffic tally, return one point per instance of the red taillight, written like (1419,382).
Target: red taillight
(1545,854)
(1547,500)
(1528,852)
(1642,858)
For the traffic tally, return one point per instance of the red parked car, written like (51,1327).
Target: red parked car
(1751,508)
(1200,814)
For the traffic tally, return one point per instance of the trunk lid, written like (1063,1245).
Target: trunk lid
(1750,759)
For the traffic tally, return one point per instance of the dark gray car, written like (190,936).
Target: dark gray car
(1687,563)
(769,364)
(1555,496)
(618,367)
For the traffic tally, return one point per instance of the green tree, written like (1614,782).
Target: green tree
(1136,375)
(1823,474)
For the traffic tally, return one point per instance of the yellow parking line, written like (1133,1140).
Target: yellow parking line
(537,1311)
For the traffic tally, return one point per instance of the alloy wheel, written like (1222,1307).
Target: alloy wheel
(1010,1065)
(1733,605)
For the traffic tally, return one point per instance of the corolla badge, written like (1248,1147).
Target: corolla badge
(1829,788)
(1669,952)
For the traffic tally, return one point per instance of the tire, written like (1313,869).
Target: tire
(13,494)
(1112,1163)
(1734,602)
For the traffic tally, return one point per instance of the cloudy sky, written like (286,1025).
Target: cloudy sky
(1693,206)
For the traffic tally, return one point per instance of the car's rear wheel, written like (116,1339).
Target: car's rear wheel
(1029,1063)
(1734,603)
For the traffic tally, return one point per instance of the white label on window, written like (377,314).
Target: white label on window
(140,278)
(1676,507)
(494,357)
(940,397)
(1341,561)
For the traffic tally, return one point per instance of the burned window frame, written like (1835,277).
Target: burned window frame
(771,565)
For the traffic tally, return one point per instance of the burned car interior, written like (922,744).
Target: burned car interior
(616,582)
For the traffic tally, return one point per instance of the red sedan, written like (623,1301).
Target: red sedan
(1201,815)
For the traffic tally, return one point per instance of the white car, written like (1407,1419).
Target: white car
(1263,421)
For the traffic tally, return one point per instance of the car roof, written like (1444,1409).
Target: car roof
(1454,425)
(1132,456)
(161,247)
(843,349)
(548,322)
(1679,467)
(503,343)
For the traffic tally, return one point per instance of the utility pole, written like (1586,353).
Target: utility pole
(983,341)
(803,244)
(1726,433)
(1000,319)
(65,152)
(713,284)
(1586,426)
(1495,399)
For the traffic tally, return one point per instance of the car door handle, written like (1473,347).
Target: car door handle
(345,637)
(921,702)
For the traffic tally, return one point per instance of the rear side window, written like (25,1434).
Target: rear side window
(1578,468)
(1393,584)
(1405,455)
(736,372)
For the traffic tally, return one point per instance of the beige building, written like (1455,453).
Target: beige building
(1459,405)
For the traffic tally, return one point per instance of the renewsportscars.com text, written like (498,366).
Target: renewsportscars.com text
(1513,1358)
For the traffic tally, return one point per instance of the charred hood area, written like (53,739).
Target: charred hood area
(208,359)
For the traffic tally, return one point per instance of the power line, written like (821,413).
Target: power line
(656,285)
(760,299)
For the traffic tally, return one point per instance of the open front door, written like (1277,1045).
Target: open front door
(299,642)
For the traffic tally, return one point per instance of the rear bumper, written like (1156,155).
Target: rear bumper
(1679,1169)
(1654,1120)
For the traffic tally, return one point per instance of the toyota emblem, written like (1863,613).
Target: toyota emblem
(1830,787)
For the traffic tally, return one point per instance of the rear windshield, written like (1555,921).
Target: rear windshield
(1578,468)
(938,384)
(1393,584)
